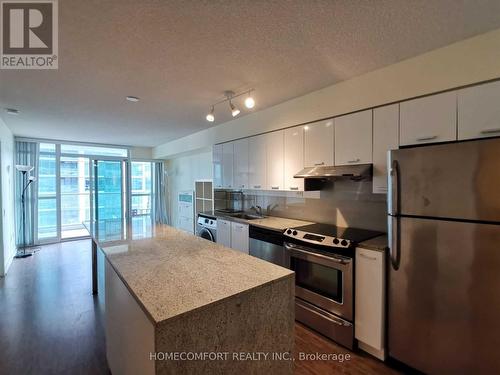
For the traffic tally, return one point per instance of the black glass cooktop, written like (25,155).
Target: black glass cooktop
(353,234)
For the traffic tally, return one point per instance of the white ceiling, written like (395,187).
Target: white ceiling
(179,56)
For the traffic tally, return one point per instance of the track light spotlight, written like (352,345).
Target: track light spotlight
(234,111)
(249,102)
(210,116)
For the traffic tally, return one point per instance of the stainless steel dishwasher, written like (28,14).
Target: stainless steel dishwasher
(267,244)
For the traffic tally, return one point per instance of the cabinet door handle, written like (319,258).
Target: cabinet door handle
(317,164)
(256,186)
(367,257)
(354,160)
(294,188)
(275,187)
(427,138)
(490,131)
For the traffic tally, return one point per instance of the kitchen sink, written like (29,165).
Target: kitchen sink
(247,216)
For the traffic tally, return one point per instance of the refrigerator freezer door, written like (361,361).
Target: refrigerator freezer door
(443,300)
(451,181)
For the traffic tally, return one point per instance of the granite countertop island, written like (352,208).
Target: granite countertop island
(194,296)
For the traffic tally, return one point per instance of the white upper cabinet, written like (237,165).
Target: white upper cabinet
(318,143)
(275,165)
(353,138)
(257,156)
(429,119)
(294,158)
(241,164)
(385,138)
(217,165)
(479,111)
(227,165)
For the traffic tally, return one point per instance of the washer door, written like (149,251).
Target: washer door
(206,234)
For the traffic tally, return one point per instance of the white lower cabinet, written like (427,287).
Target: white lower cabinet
(233,234)
(224,232)
(369,309)
(239,237)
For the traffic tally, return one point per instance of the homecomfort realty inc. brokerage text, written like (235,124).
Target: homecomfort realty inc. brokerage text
(247,356)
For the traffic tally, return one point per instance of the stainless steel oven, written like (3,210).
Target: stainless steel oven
(324,280)
(322,257)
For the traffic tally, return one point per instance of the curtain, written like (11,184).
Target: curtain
(160,191)
(26,154)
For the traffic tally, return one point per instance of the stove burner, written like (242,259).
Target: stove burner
(330,235)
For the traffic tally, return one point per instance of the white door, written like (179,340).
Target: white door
(275,165)
(353,138)
(217,165)
(224,232)
(257,162)
(385,138)
(370,298)
(227,165)
(239,237)
(429,119)
(318,143)
(294,158)
(241,163)
(479,111)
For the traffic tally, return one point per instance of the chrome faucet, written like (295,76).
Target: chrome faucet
(258,210)
(270,208)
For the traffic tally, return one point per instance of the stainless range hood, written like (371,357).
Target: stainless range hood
(355,172)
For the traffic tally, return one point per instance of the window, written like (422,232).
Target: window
(75,195)
(93,150)
(47,193)
(142,197)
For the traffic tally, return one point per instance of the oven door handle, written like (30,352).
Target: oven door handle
(307,255)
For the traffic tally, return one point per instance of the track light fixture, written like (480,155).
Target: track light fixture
(234,111)
(229,96)
(210,116)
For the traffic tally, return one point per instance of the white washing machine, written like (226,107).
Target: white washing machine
(206,227)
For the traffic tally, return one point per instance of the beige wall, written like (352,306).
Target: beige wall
(7,223)
(139,153)
(472,60)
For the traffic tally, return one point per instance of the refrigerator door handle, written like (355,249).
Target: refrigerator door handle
(394,173)
(394,219)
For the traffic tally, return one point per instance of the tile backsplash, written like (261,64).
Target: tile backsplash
(345,203)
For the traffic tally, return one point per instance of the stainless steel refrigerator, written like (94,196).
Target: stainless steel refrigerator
(444,272)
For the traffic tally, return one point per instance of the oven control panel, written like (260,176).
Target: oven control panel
(317,239)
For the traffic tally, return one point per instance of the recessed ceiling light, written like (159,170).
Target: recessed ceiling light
(133,99)
(12,111)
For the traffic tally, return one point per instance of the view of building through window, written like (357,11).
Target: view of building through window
(67,195)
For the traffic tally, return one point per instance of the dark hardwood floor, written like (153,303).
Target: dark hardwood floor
(50,322)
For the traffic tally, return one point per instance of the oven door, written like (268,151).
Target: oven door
(325,281)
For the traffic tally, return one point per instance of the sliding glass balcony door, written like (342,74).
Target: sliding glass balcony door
(75,196)
(109,194)
(75,185)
